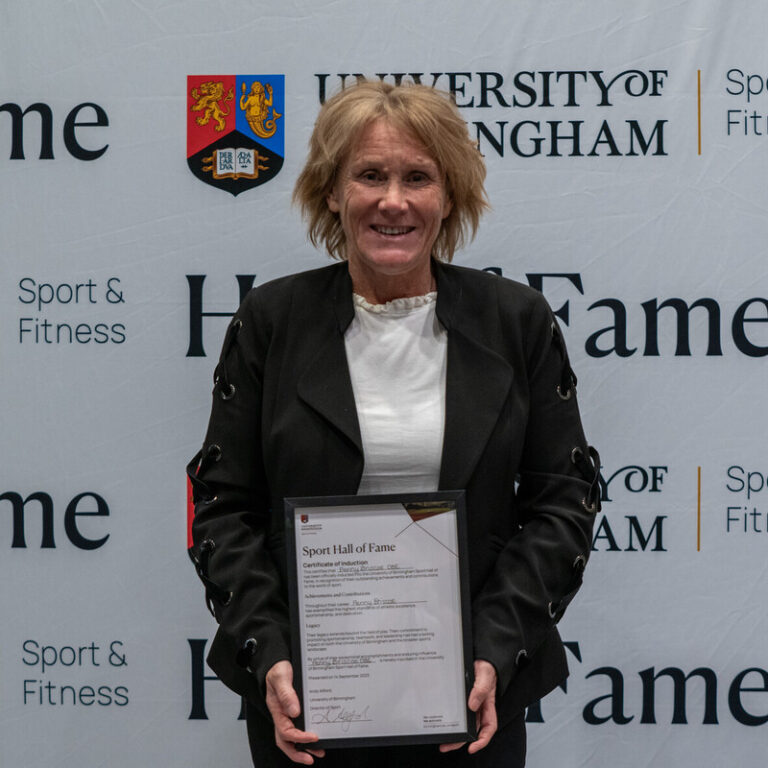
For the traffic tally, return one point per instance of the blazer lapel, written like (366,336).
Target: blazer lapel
(325,384)
(478,381)
(477,386)
(326,387)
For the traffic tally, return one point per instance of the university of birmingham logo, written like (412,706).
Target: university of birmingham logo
(235,129)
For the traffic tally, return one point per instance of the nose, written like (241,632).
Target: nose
(393,198)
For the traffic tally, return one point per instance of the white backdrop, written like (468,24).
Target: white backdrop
(642,208)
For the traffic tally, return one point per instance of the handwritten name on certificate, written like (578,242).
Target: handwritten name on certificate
(380,620)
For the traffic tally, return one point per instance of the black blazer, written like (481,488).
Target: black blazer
(284,423)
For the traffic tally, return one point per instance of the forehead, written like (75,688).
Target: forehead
(384,141)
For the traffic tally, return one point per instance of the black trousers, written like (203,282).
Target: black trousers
(506,750)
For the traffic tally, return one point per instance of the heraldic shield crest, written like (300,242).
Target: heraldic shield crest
(235,129)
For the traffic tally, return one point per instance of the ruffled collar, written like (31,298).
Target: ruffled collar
(396,306)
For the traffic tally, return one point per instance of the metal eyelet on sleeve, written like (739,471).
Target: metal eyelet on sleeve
(552,610)
(521,658)
(228,393)
(246,653)
(567,386)
(200,490)
(588,464)
(220,375)
(201,560)
(594,489)
(579,563)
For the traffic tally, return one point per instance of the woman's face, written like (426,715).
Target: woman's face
(391,197)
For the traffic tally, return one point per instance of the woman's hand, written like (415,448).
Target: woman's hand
(482,700)
(283,705)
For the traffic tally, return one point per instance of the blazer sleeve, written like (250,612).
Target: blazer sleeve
(231,525)
(540,569)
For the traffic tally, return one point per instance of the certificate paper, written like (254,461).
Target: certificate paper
(380,618)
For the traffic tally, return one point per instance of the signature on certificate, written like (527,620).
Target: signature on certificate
(340,715)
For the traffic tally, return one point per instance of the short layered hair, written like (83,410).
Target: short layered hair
(431,117)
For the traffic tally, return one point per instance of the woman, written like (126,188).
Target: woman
(394,371)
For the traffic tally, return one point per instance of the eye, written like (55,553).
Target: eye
(370,175)
(418,177)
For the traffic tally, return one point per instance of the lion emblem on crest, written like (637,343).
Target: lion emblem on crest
(211,101)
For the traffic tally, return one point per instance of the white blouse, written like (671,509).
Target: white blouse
(397,361)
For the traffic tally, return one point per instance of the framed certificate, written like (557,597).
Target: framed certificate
(380,618)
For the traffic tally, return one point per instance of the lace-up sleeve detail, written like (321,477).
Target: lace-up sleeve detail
(540,570)
(232,518)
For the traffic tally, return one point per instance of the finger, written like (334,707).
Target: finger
(483,740)
(316,752)
(451,747)
(488,724)
(477,698)
(286,728)
(281,718)
(287,731)
(294,754)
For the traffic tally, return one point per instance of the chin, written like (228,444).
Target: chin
(394,262)
(395,266)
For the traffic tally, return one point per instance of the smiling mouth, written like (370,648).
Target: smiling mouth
(392,230)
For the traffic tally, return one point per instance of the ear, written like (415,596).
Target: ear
(333,202)
(447,207)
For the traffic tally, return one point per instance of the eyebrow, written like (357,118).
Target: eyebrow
(377,160)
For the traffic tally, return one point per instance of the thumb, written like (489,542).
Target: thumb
(281,681)
(485,683)
(287,697)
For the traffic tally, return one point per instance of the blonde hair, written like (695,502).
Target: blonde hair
(427,114)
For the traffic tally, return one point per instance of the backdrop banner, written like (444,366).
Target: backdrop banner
(148,152)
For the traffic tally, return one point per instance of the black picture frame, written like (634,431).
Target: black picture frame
(294,507)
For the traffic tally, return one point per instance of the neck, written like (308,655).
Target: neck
(378,288)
